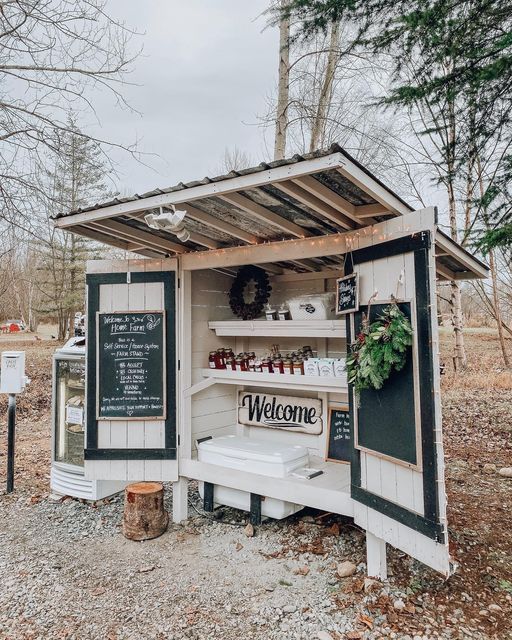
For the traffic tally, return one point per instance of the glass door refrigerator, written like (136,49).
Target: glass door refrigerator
(68,427)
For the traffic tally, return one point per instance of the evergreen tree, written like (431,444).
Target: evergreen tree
(460,52)
(76,179)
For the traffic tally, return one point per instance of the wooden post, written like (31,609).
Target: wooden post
(376,564)
(144,514)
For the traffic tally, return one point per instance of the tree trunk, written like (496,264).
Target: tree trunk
(497,309)
(283,87)
(324,99)
(459,352)
(144,514)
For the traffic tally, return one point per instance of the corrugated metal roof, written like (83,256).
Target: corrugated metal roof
(331,179)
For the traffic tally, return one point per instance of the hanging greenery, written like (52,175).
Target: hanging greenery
(245,275)
(380,348)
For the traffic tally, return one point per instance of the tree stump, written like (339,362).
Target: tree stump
(144,514)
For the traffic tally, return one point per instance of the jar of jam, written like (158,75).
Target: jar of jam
(288,367)
(266,365)
(212,360)
(239,364)
(298,367)
(277,366)
(252,358)
(257,365)
(220,362)
(230,363)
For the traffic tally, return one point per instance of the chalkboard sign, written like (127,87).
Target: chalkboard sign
(131,370)
(347,294)
(386,418)
(339,442)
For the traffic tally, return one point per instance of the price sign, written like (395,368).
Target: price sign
(347,294)
(339,442)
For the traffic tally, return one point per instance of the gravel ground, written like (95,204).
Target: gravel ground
(67,572)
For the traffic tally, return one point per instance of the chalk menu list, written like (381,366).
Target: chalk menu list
(339,442)
(131,369)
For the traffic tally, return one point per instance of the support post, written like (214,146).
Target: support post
(11,421)
(208,496)
(255,518)
(180,500)
(376,563)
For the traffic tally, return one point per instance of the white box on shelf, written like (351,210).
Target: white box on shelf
(340,368)
(317,306)
(311,367)
(326,367)
(255,456)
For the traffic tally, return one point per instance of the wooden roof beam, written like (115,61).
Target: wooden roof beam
(220,225)
(264,215)
(365,211)
(118,229)
(114,242)
(334,201)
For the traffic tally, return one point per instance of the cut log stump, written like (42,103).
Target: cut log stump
(144,514)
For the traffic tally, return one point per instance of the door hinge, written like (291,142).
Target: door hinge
(179,283)
(179,365)
(179,441)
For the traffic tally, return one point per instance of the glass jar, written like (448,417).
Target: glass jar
(278,366)
(240,364)
(270,313)
(230,363)
(298,367)
(284,312)
(288,367)
(257,365)
(220,362)
(266,365)
(212,360)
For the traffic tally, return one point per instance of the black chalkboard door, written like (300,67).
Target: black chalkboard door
(131,375)
(339,441)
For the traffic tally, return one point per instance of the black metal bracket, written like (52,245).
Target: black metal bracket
(255,517)
(208,488)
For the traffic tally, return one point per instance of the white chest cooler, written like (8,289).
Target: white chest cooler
(253,456)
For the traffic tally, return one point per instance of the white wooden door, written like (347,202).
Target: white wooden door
(397,467)
(132,449)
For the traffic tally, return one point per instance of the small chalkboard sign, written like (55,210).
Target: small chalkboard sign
(339,442)
(131,365)
(347,294)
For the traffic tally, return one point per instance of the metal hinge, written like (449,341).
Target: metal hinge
(179,365)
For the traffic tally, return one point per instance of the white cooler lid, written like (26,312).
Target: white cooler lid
(252,449)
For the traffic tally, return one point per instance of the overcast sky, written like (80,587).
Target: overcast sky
(203,79)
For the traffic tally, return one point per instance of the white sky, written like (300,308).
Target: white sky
(202,80)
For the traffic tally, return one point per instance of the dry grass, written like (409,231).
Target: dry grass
(485,368)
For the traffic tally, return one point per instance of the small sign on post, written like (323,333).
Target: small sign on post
(12,381)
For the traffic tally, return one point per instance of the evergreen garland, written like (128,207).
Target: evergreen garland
(380,348)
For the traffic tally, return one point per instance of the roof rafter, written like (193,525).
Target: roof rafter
(120,230)
(264,214)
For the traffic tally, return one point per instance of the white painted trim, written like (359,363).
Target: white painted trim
(376,562)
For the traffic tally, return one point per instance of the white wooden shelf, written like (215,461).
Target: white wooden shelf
(280,381)
(280,328)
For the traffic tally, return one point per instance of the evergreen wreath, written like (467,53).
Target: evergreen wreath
(380,348)
(245,275)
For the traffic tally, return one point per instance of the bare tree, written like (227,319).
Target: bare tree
(281,120)
(52,53)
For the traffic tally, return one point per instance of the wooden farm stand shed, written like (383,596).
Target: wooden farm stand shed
(307,221)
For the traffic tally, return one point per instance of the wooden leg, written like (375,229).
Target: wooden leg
(208,488)
(255,509)
(376,563)
(180,500)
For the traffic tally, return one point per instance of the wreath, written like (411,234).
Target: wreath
(380,348)
(245,275)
